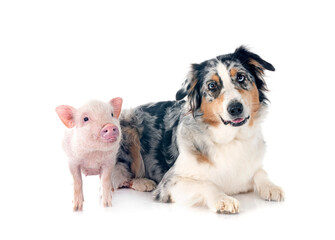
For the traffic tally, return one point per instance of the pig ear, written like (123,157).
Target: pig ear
(66,114)
(117,104)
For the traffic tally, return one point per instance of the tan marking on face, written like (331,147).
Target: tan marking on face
(211,110)
(216,78)
(201,158)
(251,97)
(233,72)
(135,150)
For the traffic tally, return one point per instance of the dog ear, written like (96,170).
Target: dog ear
(190,89)
(256,65)
(253,60)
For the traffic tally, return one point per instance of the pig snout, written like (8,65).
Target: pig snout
(109,133)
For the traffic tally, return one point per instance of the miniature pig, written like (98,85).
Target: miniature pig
(91,142)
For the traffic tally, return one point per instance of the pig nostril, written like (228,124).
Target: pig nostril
(110,132)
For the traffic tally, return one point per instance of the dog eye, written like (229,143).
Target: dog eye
(112,114)
(86,119)
(212,86)
(240,78)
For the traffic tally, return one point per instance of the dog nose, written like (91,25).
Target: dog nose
(235,108)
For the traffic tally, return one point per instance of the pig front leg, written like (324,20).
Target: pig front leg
(106,185)
(78,198)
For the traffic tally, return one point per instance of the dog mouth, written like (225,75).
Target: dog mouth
(237,122)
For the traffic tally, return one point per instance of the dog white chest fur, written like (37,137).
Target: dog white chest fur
(235,154)
(221,148)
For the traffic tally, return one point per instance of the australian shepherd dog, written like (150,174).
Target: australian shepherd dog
(203,149)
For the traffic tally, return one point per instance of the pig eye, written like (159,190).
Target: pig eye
(86,119)
(112,114)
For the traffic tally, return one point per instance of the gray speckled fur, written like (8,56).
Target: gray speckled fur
(156,126)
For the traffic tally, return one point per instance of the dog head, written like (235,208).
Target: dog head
(227,90)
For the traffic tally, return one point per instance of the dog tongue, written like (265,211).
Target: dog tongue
(237,120)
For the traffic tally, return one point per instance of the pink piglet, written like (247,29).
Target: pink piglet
(91,142)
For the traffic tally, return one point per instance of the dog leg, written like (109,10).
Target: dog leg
(194,192)
(266,189)
(121,176)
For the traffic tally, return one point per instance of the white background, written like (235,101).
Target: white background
(67,52)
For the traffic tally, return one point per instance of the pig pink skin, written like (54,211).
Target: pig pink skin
(87,151)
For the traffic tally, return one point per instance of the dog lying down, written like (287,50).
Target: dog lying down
(206,148)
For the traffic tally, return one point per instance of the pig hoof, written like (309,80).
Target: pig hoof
(78,205)
(107,201)
(143,184)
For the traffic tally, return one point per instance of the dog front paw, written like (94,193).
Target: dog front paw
(142,184)
(271,193)
(227,204)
